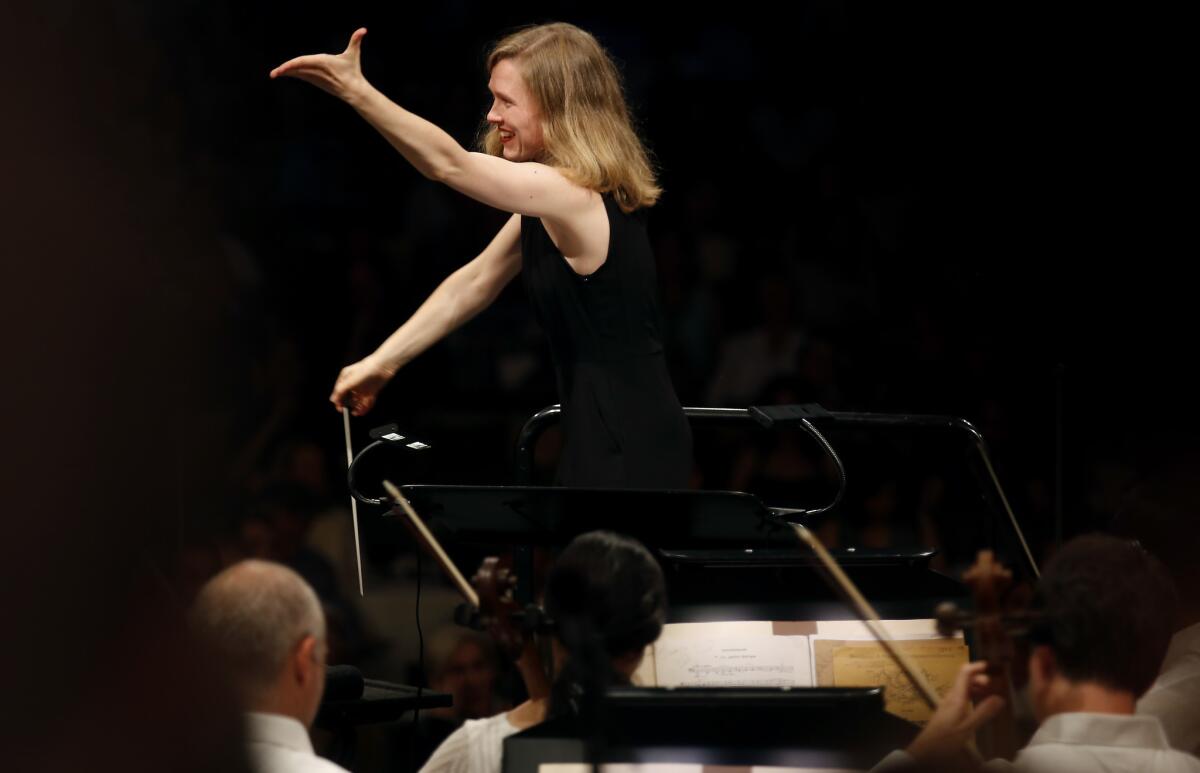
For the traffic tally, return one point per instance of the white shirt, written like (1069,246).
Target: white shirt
(476,747)
(1175,696)
(279,744)
(1087,743)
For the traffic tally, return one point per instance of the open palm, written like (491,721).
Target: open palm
(337,74)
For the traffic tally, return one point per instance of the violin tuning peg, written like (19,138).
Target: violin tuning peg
(949,618)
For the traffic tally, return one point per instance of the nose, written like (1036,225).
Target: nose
(493,116)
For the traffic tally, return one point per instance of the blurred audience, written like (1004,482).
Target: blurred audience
(464,664)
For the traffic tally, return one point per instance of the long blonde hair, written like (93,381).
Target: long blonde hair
(586,126)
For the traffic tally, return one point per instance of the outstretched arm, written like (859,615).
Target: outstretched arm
(462,295)
(527,188)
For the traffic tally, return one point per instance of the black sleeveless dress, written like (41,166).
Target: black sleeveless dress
(623,425)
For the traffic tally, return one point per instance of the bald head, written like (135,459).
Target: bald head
(258,615)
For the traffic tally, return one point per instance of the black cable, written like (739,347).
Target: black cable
(816,433)
(837,460)
(350,476)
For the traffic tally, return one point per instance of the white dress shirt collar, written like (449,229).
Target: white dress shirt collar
(1117,730)
(277,730)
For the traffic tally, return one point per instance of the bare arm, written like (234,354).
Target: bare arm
(461,296)
(526,188)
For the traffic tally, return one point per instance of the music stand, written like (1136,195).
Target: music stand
(798,727)
(727,556)
(380,702)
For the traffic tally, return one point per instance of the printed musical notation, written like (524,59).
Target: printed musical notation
(803,654)
(743,661)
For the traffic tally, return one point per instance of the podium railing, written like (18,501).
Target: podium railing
(785,415)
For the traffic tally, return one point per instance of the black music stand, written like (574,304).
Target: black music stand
(725,554)
(379,702)
(812,416)
(727,557)
(553,516)
(798,727)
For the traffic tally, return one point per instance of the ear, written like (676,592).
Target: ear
(1043,666)
(304,661)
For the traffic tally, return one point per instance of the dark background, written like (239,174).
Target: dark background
(951,209)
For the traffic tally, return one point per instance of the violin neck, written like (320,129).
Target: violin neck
(998,739)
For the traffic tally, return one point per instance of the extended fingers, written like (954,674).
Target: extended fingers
(290,65)
(969,673)
(356,39)
(979,687)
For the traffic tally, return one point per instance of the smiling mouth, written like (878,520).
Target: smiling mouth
(505,136)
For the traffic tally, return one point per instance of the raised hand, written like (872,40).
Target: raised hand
(337,74)
(951,727)
(358,385)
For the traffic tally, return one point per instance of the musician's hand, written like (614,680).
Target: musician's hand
(358,385)
(339,75)
(945,738)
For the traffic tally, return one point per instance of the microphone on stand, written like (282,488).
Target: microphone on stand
(343,683)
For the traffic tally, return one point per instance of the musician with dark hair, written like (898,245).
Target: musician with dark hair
(606,599)
(1103,617)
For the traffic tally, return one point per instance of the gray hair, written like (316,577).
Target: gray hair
(254,613)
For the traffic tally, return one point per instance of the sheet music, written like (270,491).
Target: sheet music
(753,660)
(651,767)
(672,767)
(859,663)
(920,628)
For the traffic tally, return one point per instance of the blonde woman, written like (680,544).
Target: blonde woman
(561,155)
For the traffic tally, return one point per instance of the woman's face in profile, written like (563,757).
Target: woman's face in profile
(514,113)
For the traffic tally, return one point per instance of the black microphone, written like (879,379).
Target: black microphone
(343,683)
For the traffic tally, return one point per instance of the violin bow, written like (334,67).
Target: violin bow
(869,616)
(871,619)
(430,543)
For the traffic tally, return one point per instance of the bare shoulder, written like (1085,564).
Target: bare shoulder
(581,231)
(573,194)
